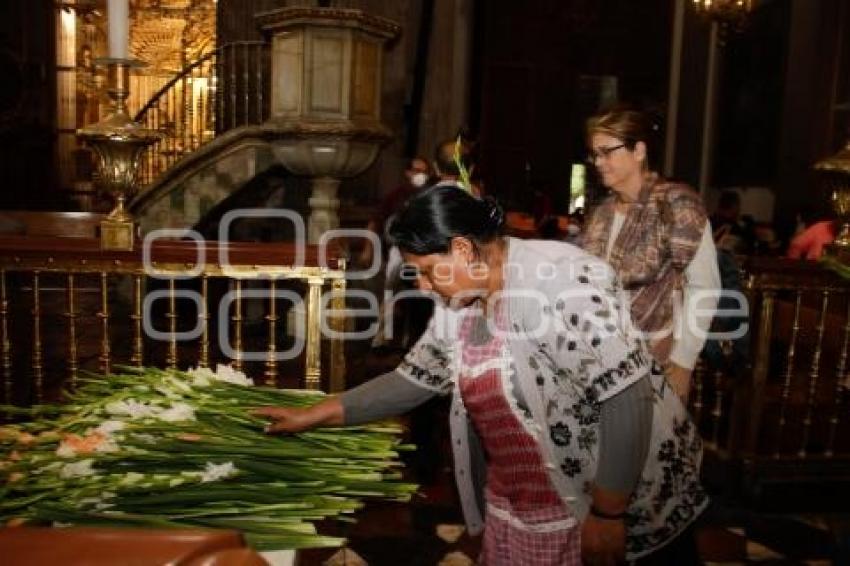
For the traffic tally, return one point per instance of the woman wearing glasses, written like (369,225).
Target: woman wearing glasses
(656,236)
(568,448)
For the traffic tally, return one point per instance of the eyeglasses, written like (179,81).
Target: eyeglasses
(603,152)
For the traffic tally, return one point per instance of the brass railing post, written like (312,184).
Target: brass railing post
(271,358)
(137,357)
(5,344)
(72,331)
(834,418)
(172,326)
(814,376)
(313,371)
(237,325)
(789,373)
(760,371)
(204,315)
(105,350)
(337,343)
(37,361)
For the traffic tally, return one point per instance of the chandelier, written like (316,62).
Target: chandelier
(731,12)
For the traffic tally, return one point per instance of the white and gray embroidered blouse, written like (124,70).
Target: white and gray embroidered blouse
(573,346)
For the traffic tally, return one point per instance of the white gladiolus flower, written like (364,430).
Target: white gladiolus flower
(104,502)
(52,466)
(168,391)
(65,450)
(132,408)
(201,377)
(79,469)
(179,385)
(216,472)
(131,478)
(109,444)
(230,375)
(98,503)
(108,427)
(178,412)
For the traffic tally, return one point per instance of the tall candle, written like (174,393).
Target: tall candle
(119,22)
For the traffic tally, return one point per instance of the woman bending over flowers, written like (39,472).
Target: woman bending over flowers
(569,444)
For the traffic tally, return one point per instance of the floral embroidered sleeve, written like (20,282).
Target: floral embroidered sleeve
(428,363)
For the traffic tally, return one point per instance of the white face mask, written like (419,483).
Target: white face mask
(419,179)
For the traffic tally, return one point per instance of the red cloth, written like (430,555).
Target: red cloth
(810,243)
(526,523)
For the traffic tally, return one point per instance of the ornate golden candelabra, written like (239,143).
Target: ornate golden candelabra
(836,173)
(730,12)
(117,143)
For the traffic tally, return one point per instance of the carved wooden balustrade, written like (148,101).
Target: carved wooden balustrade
(784,419)
(67,305)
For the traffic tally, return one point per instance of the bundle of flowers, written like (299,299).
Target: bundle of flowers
(157,448)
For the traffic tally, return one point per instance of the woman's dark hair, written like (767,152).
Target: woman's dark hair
(427,223)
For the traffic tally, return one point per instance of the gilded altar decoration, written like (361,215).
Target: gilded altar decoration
(167,35)
(732,12)
(835,171)
(117,143)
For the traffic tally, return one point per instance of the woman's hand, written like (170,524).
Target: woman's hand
(294,419)
(603,541)
(286,419)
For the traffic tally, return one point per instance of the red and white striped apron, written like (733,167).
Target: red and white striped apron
(526,523)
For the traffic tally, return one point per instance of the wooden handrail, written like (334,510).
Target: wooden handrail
(54,253)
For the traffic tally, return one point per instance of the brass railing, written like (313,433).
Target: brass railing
(224,89)
(784,419)
(66,305)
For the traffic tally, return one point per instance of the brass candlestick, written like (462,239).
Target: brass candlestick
(836,172)
(118,142)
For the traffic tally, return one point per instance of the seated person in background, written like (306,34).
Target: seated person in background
(732,232)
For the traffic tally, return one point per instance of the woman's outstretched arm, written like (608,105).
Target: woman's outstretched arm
(385,396)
